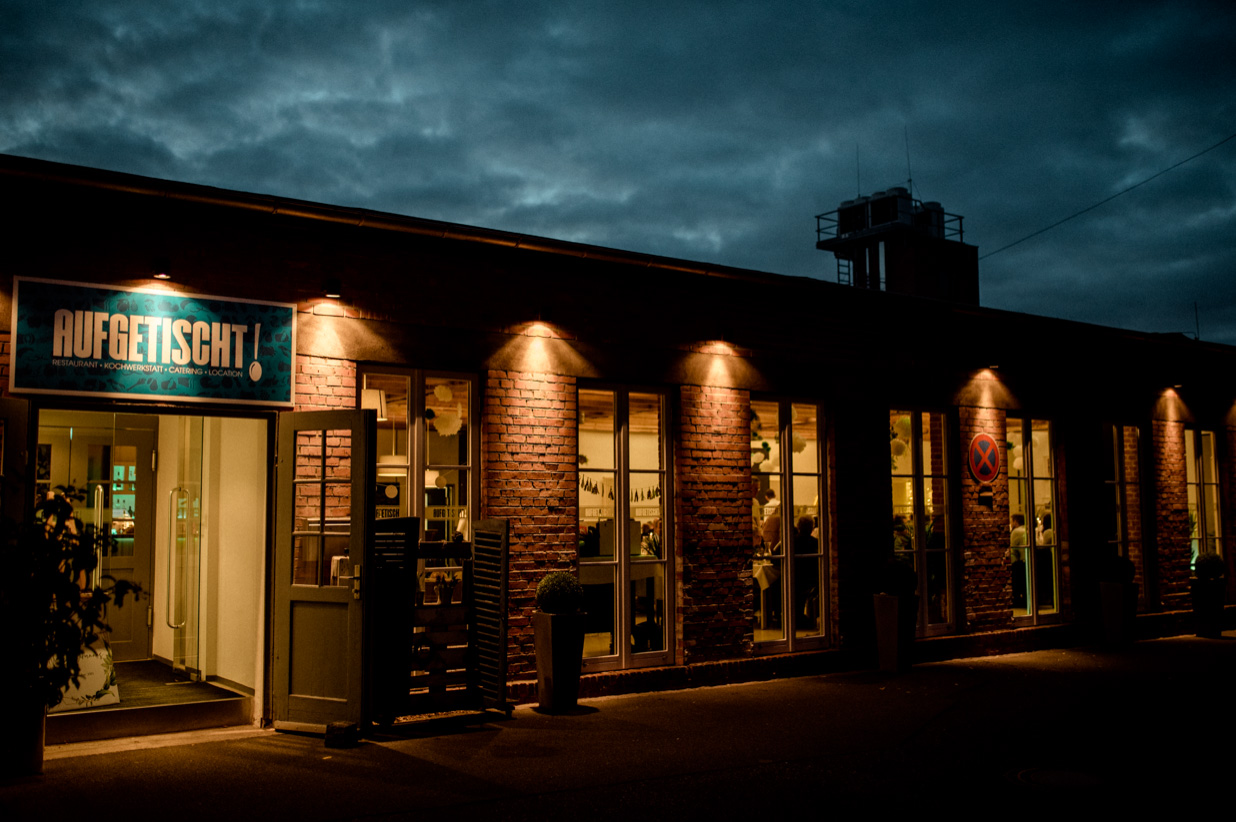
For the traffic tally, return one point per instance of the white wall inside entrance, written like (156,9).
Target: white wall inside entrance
(232,542)
(234,546)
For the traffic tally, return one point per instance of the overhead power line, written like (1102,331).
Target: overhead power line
(1109,199)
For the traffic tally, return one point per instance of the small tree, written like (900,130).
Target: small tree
(46,600)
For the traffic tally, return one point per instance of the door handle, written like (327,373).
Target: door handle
(96,577)
(356,582)
(171,552)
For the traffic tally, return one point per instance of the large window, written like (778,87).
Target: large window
(1033,531)
(1202,476)
(789,570)
(623,540)
(1124,521)
(920,480)
(426,446)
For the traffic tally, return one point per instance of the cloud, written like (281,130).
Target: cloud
(708,131)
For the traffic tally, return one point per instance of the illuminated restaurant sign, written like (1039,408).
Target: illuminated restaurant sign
(132,343)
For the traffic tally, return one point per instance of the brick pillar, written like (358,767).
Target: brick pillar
(6,355)
(529,451)
(712,462)
(1133,505)
(1171,514)
(1227,473)
(324,384)
(987,588)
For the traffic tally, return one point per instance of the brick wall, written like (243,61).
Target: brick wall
(1227,480)
(987,574)
(1171,514)
(323,384)
(6,354)
(528,473)
(712,461)
(1133,505)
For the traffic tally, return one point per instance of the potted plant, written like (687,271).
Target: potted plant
(896,614)
(1118,597)
(444,585)
(1209,591)
(558,630)
(52,615)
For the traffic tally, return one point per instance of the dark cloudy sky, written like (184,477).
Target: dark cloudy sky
(714,131)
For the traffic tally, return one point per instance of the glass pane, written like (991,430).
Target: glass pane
(446,503)
(598,582)
(309,506)
(647,606)
(937,587)
(765,437)
(644,426)
(596,429)
(339,455)
(1208,457)
(446,421)
(336,564)
(1045,578)
(309,454)
(596,515)
(1212,513)
(933,444)
(1016,448)
(768,513)
(900,447)
(123,502)
(806,498)
(1194,514)
(1043,499)
(903,514)
(804,440)
(387,394)
(1020,571)
(806,535)
(1017,513)
(1040,444)
(767,588)
(1190,457)
(646,515)
(306,552)
(807,620)
(1113,519)
(391,495)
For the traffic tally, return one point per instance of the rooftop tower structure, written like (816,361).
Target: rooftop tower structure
(889,241)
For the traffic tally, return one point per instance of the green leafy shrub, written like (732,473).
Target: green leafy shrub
(559,592)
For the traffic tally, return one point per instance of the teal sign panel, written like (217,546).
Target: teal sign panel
(132,343)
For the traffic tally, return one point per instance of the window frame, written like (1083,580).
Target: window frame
(1200,542)
(946,422)
(417,463)
(789,641)
(1028,478)
(626,657)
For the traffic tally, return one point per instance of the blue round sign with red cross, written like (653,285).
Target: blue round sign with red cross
(984,458)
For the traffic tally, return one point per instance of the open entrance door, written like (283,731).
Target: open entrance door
(324,507)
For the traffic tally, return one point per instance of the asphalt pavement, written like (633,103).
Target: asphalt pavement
(1084,729)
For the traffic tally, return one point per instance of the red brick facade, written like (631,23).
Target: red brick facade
(712,464)
(529,476)
(1171,513)
(987,585)
(324,384)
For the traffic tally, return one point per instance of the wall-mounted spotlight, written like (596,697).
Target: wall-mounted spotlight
(160,269)
(331,289)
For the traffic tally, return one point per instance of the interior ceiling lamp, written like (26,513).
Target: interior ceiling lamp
(331,289)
